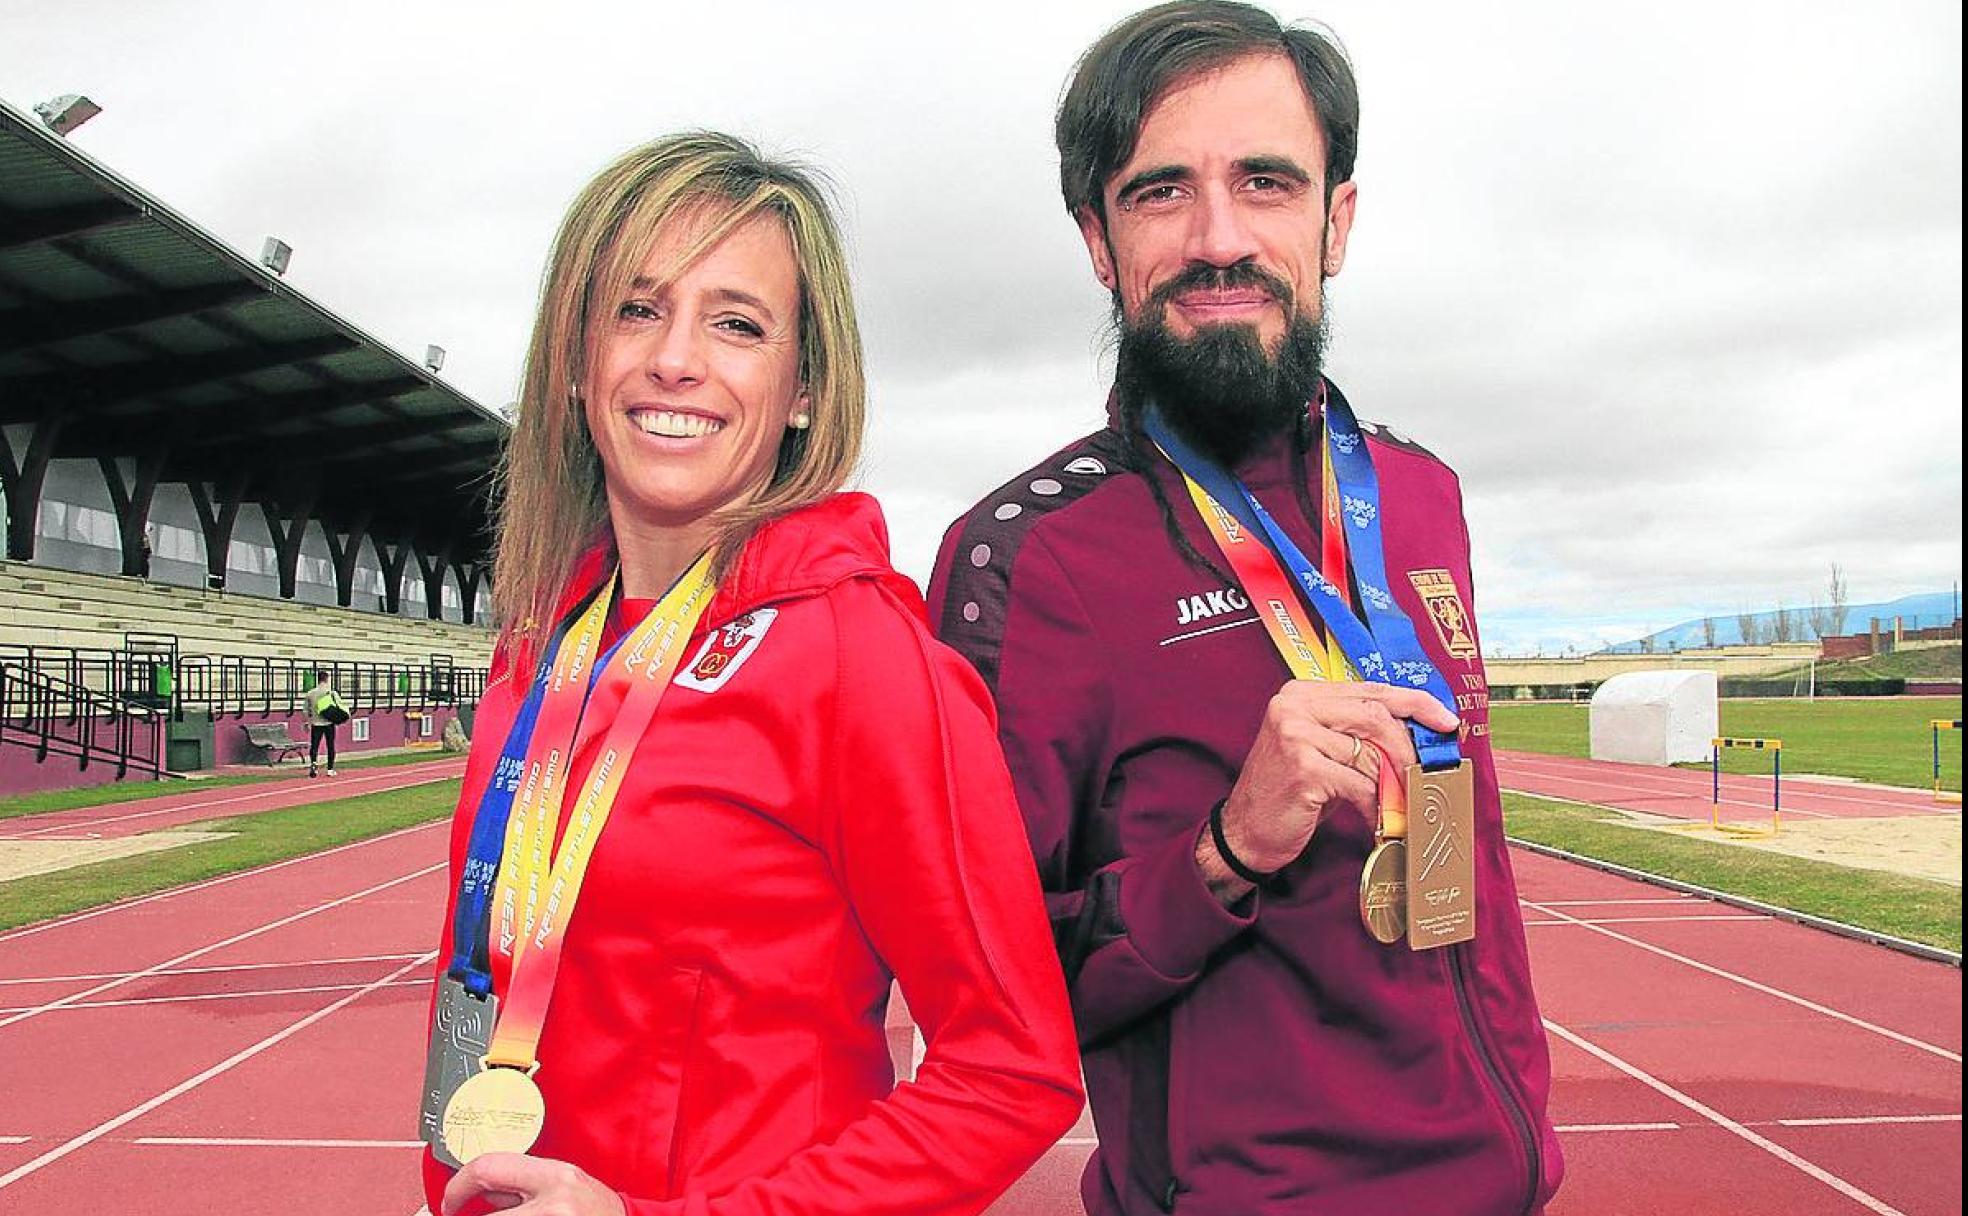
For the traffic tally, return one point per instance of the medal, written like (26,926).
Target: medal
(517,891)
(461,1031)
(1384,892)
(1441,887)
(1384,899)
(499,1110)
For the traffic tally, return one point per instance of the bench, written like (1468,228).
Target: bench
(273,741)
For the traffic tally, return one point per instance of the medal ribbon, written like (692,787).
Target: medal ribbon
(645,660)
(1386,649)
(470,944)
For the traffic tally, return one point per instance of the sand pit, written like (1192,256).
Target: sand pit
(1918,846)
(20,858)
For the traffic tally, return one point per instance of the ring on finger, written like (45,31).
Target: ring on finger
(1357,747)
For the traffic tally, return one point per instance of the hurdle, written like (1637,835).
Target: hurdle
(1936,726)
(1775,748)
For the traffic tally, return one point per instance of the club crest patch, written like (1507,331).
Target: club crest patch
(1438,593)
(725,651)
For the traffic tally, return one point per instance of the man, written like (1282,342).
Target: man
(1266,1030)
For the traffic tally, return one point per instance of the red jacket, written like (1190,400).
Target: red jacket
(827,811)
(1275,1060)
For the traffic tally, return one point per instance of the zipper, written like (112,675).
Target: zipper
(1519,1120)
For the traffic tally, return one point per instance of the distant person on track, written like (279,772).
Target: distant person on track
(325,712)
(778,792)
(1239,686)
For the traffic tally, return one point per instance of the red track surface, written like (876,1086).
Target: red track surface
(254,1043)
(195,805)
(1686,794)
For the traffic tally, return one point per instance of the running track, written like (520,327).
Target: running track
(1686,794)
(254,1043)
(195,805)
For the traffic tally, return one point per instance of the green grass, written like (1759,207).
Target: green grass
(252,840)
(1910,908)
(1883,739)
(132,790)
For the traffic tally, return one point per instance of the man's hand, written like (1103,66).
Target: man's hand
(530,1186)
(1305,760)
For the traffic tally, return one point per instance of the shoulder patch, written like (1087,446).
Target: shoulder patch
(725,651)
(988,538)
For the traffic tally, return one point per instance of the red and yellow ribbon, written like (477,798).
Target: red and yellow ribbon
(536,894)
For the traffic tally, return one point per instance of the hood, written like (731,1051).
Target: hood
(797,555)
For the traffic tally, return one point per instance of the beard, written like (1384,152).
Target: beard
(1220,390)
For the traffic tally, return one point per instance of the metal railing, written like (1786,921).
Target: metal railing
(151,675)
(57,717)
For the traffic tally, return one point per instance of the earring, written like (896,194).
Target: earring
(802,420)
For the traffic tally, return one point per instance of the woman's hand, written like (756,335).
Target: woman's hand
(530,1186)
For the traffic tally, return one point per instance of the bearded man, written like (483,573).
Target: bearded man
(1216,633)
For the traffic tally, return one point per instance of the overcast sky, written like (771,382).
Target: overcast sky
(1676,287)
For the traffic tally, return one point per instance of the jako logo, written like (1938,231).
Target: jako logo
(1211,603)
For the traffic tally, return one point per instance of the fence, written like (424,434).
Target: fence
(62,718)
(149,673)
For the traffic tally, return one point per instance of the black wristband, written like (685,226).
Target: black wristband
(1256,878)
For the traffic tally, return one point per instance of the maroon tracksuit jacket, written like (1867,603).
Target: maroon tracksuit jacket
(1276,1059)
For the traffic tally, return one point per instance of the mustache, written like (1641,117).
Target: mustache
(1202,275)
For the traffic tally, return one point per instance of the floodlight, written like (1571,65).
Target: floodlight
(67,112)
(433,358)
(275,253)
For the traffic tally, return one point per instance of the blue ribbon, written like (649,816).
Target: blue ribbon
(1386,649)
(471,923)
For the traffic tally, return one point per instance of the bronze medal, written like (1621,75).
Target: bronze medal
(1384,892)
(499,1110)
(1441,887)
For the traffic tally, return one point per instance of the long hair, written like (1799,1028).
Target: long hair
(550,497)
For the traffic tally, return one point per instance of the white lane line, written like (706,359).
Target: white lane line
(279,966)
(1727,1124)
(126,905)
(1607,903)
(86,993)
(363,783)
(102,1129)
(1869,1120)
(212,996)
(248,1142)
(1698,784)
(1573,1128)
(1732,977)
(1646,920)
(1598,797)
(15,1139)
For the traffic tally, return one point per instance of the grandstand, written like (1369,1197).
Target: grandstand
(214,487)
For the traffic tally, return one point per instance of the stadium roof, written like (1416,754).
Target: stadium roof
(146,337)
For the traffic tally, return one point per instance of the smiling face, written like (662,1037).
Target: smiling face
(693,381)
(1219,217)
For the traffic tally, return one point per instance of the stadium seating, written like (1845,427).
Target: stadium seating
(43,606)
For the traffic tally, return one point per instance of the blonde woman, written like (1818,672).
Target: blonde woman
(772,791)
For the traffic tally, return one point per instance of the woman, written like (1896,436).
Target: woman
(815,804)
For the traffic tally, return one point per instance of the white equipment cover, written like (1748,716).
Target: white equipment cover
(1655,717)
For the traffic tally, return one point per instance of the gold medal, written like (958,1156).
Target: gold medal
(1384,892)
(499,1110)
(1441,894)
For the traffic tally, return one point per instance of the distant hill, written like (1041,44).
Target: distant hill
(1920,611)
